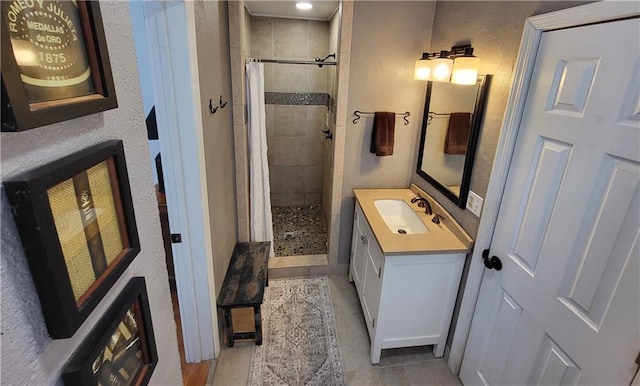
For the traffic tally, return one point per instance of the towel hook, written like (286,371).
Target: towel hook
(211,108)
(222,104)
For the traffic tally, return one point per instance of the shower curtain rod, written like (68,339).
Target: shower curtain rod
(284,61)
(318,61)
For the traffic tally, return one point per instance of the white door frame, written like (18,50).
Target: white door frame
(170,29)
(533,29)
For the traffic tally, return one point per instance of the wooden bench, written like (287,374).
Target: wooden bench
(243,286)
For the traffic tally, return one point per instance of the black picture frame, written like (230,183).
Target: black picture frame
(121,348)
(18,112)
(56,271)
(460,200)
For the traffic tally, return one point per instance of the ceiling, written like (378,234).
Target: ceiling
(322,9)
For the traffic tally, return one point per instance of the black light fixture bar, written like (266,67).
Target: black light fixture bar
(461,50)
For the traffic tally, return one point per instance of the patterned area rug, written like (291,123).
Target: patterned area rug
(300,341)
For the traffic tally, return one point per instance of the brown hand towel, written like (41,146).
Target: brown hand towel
(457,133)
(383,133)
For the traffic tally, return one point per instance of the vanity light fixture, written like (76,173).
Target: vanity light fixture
(465,68)
(423,68)
(304,6)
(457,66)
(442,66)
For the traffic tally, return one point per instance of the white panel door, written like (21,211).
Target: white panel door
(565,308)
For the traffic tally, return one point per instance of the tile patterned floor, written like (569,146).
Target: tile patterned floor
(298,230)
(414,366)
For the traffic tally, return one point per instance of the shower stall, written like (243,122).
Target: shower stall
(298,109)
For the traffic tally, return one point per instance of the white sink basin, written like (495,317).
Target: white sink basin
(399,217)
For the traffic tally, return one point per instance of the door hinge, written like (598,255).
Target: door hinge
(379,272)
(638,359)
(176,238)
(374,323)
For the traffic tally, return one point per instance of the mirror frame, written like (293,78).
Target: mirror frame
(461,200)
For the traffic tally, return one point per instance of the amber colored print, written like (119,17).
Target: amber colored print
(88,226)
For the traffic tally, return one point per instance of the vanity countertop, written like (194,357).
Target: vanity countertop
(446,237)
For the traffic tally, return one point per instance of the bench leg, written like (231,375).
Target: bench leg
(258,324)
(228,326)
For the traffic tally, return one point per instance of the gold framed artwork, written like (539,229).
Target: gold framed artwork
(75,218)
(55,64)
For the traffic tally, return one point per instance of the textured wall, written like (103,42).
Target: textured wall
(387,39)
(29,356)
(214,80)
(494,29)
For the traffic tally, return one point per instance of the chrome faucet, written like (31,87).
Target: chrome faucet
(422,203)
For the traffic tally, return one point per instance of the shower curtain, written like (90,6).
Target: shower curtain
(259,192)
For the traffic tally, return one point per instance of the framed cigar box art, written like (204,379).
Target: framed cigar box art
(55,64)
(77,226)
(121,349)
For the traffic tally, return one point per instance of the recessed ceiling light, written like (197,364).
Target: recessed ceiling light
(304,6)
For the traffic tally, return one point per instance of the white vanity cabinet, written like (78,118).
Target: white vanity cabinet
(407,299)
(358,246)
(366,268)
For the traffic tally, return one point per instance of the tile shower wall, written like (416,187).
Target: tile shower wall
(294,126)
(332,91)
(240,49)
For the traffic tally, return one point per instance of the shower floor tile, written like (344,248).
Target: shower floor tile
(298,230)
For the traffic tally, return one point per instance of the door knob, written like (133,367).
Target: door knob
(492,262)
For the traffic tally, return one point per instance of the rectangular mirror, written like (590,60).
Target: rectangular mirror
(450,127)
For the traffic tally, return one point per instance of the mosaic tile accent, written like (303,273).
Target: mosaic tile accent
(294,98)
(298,230)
